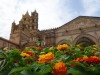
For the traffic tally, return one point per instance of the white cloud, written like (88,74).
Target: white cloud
(91,7)
(52,13)
(49,13)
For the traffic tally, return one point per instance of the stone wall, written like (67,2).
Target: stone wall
(6,43)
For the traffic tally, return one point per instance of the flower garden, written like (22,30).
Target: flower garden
(66,59)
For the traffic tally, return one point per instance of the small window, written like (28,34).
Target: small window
(4,44)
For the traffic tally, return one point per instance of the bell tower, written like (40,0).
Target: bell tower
(34,26)
(15,33)
(27,29)
(34,17)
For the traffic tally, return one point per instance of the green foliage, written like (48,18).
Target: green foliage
(15,64)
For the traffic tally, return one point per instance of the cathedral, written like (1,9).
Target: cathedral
(85,29)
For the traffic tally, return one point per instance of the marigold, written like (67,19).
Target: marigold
(49,56)
(85,57)
(93,51)
(46,58)
(93,59)
(39,48)
(81,59)
(24,55)
(78,60)
(60,69)
(62,47)
(30,53)
(41,59)
(90,60)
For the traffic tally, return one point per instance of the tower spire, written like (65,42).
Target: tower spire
(35,11)
(27,13)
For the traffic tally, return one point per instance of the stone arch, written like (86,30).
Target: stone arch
(62,42)
(87,39)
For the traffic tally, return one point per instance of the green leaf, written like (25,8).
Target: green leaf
(38,73)
(45,69)
(72,71)
(19,69)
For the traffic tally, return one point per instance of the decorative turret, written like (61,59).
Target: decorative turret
(13,27)
(21,25)
(34,17)
(27,14)
(26,20)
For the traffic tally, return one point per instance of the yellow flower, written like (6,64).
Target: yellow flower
(78,45)
(60,69)
(85,57)
(62,47)
(6,48)
(27,55)
(42,53)
(24,55)
(95,45)
(51,48)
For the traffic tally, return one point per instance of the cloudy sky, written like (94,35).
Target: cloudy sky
(52,13)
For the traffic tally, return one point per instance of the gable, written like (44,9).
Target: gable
(80,22)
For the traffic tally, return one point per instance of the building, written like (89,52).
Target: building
(6,43)
(84,29)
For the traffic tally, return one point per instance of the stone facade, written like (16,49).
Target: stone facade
(84,29)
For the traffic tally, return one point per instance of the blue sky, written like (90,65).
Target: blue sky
(52,13)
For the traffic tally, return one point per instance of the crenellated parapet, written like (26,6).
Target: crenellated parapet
(15,28)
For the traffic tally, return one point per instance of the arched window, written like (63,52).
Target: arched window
(26,26)
(85,41)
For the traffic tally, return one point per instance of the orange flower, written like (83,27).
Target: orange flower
(32,47)
(93,51)
(78,60)
(85,58)
(41,59)
(60,69)
(62,47)
(93,59)
(39,48)
(46,58)
(30,53)
(81,59)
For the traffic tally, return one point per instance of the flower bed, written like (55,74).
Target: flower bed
(61,60)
